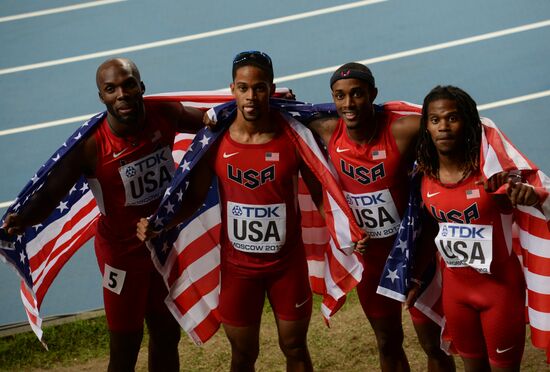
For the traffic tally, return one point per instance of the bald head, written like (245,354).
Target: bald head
(120,63)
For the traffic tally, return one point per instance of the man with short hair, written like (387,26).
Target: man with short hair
(262,251)
(128,163)
(372,150)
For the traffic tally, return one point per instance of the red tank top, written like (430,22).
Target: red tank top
(258,193)
(131,175)
(373,178)
(474,230)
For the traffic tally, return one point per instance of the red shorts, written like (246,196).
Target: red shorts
(375,305)
(141,289)
(486,313)
(243,292)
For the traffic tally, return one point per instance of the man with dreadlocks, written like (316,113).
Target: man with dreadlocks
(483,284)
(372,148)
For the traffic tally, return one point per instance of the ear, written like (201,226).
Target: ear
(142,87)
(232,88)
(373,94)
(273,87)
(100,97)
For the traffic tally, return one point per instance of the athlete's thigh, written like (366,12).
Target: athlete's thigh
(504,323)
(289,292)
(375,305)
(126,285)
(242,297)
(463,323)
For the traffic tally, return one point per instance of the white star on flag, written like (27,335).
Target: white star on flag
(185,165)
(169,208)
(62,206)
(392,275)
(402,244)
(205,140)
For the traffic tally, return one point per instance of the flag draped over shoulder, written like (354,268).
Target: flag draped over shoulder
(531,229)
(40,252)
(531,239)
(188,256)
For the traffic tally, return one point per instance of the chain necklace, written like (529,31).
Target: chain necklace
(465,174)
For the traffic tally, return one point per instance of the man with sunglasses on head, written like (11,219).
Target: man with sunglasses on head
(127,160)
(262,252)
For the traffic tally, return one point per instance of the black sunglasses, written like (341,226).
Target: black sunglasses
(252,55)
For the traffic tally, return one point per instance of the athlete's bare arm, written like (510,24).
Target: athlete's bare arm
(314,186)
(81,160)
(187,119)
(324,127)
(199,183)
(405,131)
(425,255)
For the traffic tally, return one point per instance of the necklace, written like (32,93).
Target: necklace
(465,174)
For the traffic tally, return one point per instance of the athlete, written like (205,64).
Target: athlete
(128,163)
(483,282)
(262,251)
(372,149)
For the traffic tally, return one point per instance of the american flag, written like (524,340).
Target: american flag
(40,253)
(189,255)
(531,239)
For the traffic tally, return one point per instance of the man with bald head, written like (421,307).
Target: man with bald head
(128,163)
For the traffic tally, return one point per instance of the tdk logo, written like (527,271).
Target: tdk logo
(464,232)
(256,212)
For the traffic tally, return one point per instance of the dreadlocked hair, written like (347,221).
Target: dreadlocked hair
(426,153)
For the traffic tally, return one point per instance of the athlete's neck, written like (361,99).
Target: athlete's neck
(123,130)
(364,133)
(452,169)
(253,132)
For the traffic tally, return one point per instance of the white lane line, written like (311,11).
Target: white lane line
(511,101)
(62,9)
(184,39)
(46,124)
(427,49)
(82,118)
(486,106)
(6,204)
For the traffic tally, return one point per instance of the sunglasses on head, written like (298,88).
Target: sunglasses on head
(252,55)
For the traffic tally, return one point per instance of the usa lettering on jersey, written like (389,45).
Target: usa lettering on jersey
(147,178)
(362,174)
(251,178)
(256,228)
(375,212)
(463,245)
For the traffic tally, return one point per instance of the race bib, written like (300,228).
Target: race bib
(146,179)
(463,245)
(256,228)
(113,279)
(375,213)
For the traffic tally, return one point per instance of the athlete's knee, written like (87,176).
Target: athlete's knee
(432,348)
(123,350)
(163,330)
(294,347)
(244,354)
(390,342)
